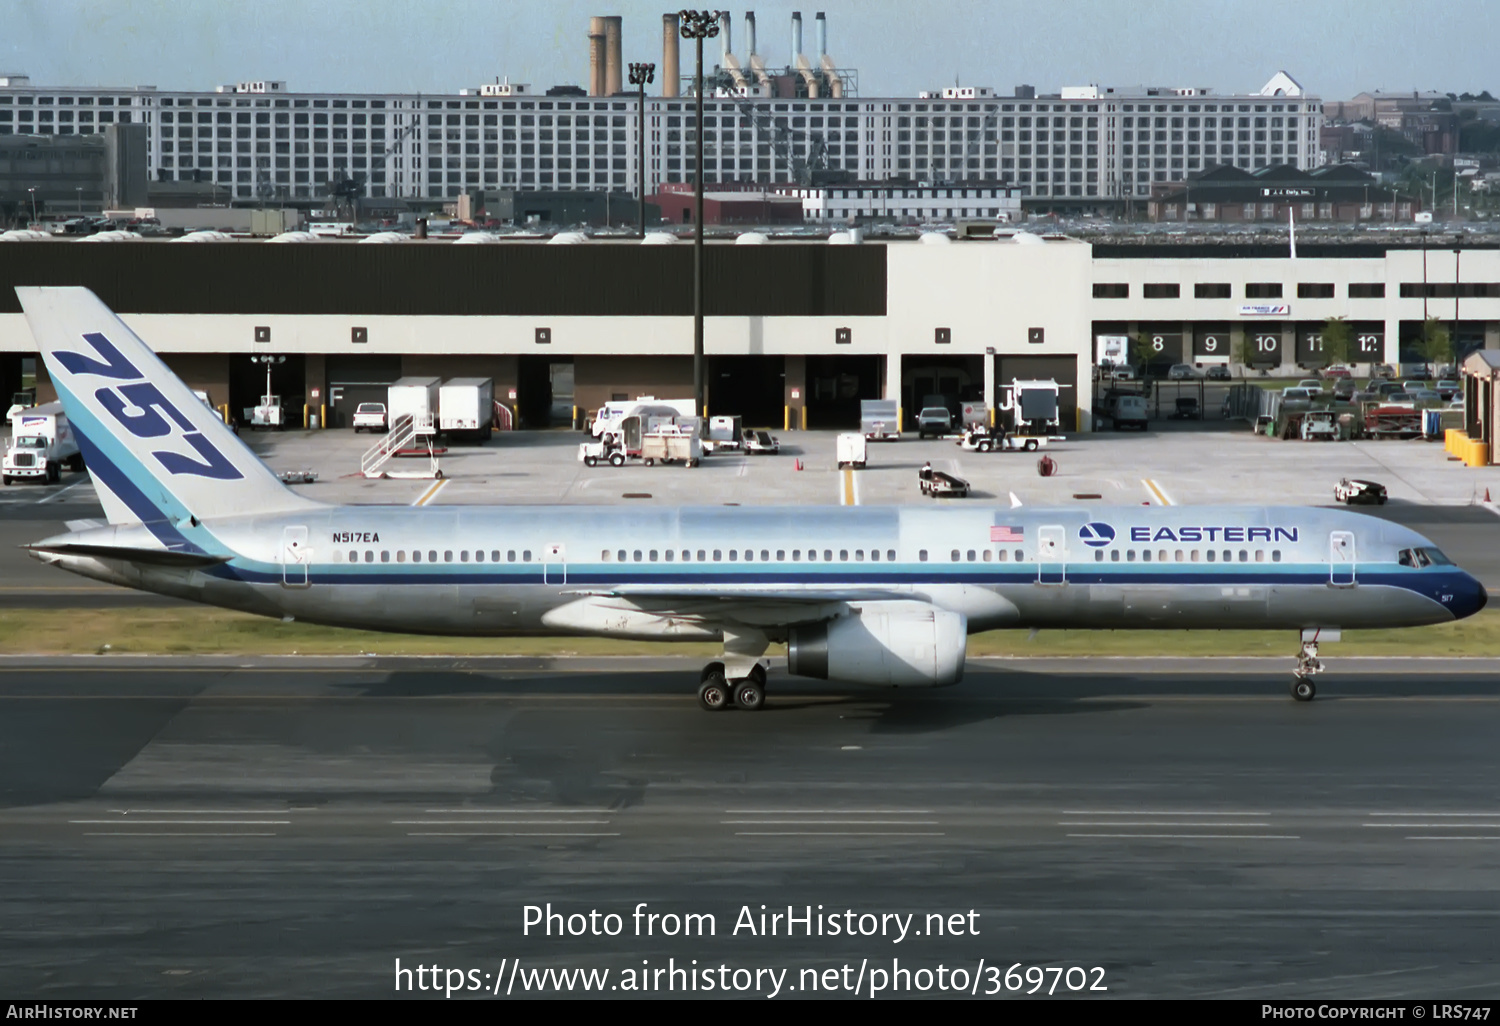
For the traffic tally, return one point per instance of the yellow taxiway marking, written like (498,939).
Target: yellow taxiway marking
(431,492)
(850,497)
(1156,492)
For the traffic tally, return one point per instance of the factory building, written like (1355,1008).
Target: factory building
(796,333)
(804,123)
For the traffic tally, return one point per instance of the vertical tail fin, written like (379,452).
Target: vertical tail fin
(155,452)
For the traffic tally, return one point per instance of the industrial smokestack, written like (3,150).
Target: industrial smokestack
(724,48)
(796,36)
(671,74)
(597,58)
(749,33)
(614,67)
(822,24)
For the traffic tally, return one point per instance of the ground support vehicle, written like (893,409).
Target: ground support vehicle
(672,447)
(1000,440)
(41,444)
(465,408)
(879,419)
(1356,492)
(726,433)
(852,449)
(370,417)
(761,443)
(1391,421)
(1320,426)
(941,485)
(934,420)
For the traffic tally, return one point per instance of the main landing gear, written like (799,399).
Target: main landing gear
(1303,689)
(716,692)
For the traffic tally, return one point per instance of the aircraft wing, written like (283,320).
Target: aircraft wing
(717,606)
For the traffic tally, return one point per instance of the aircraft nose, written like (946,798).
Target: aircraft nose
(1473,601)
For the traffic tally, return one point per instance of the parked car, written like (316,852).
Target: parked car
(1424,395)
(1337,370)
(759,443)
(1182,372)
(1388,388)
(370,417)
(1353,491)
(1382,371)
(1344,389)
(1413,384)
(934,420)
(1448,388)
(1127,411)
(1296,393)
(1217,372)
(1315,384)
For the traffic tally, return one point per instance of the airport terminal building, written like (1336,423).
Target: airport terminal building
(796,332)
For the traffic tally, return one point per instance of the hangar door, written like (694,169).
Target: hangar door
(365,378)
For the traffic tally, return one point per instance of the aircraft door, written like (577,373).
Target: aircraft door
(296,554)
(1051,555)
(554,564)
(1341,559)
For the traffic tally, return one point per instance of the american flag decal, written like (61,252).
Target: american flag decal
(1007,534)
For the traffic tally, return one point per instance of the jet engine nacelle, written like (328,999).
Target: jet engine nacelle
(889,644)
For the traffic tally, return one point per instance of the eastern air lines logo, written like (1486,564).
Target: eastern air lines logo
(1096,535)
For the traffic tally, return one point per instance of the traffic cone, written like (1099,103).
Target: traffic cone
(1486,495)
(799,464)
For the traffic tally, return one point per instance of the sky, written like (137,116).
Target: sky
(1334,48)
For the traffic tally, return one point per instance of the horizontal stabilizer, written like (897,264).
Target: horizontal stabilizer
(131,554)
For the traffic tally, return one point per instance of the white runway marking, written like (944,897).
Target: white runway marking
(830,822)
(58,495)
(1153,823)
(837,833)
(487,833)
(188,822)
(169,833)
(1163,813)
(1201,837)
(827,812)
(500,822)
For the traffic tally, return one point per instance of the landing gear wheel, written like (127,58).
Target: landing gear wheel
(713,693)
(758,674)
(1303,690)
(749,695)
(617,459)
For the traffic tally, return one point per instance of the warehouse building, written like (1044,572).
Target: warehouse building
(797,333)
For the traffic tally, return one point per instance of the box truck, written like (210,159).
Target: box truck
(416,398)
(466,408)
(41,444)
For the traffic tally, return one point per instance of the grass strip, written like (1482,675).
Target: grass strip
(206,630)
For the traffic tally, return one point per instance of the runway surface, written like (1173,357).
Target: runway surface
(275,829)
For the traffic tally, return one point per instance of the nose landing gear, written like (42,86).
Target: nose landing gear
(1303,689)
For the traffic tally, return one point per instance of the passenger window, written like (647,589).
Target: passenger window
(1244,556)
(416,556)
(1276,555)
(1193,556)
(353,556)
(765,556)
(1228,556)
(526,555)
(479,555)
(1260,555)
(1179,556)
(511,556)
(700,556)
(781,555)
(955,556)
(922,556)
(1210,555)
(1145,555)
(463,557)
(843,555)
(971,555)
(828,555)
(796,555)
(1130,556)
(447,555)
(669,554)
(1098,555)
(718,555)
(1003,554)
(653,555)
(637,555)
(733,555)
(369,556)
(1161,555)
(385,556)
(890,554)
(401,555)
(604,556)
(986,555)
(1114,555)
(622,555)
(494,555)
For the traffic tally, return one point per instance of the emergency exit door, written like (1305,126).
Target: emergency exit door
(295,557)
(1051,555)
(1341,559)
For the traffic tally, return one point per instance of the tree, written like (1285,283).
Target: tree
(1437,344)
(1240,352)
(1338,341)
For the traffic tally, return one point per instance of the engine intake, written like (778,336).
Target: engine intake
(889,644)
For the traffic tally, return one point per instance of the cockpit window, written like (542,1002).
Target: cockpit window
(1423,557)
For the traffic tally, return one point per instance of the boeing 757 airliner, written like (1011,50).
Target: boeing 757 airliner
(867,595)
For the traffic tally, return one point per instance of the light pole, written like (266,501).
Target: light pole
(78,200)
(32,190)
(640,75)
(698,26)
